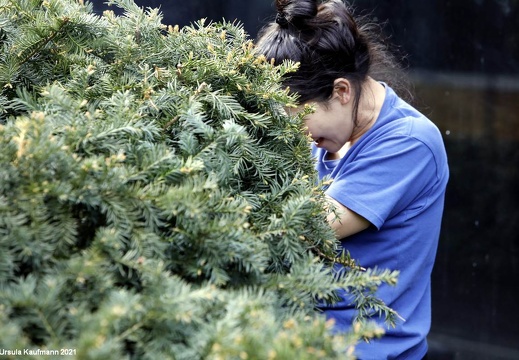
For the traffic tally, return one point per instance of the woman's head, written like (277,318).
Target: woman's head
(327,41)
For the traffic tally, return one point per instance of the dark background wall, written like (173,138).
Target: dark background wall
(252,14)
(463,58)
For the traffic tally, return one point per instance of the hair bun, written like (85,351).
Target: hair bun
(295,11)
(281,19)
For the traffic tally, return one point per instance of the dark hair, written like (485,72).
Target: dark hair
(329,43)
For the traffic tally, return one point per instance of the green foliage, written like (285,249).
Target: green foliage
(156,201)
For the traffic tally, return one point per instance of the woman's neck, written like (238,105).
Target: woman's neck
(370,104)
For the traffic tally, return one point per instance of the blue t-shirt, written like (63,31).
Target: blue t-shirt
(395,176)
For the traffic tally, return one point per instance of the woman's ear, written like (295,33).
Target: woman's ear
(342,89)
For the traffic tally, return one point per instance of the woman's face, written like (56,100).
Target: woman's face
(330,126)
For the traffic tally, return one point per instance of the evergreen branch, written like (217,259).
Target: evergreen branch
(369,306)
(170,123)
(343,260)
(124,335)
(47,325)
(45,41)
(19,9)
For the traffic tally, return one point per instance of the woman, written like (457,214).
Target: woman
(386,159)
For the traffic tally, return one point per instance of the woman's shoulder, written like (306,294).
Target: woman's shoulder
(399,118)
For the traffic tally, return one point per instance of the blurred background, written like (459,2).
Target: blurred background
(463,59)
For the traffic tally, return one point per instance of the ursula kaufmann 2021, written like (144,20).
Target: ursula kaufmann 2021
(36,352)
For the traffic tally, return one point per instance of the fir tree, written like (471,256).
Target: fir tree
(156,201)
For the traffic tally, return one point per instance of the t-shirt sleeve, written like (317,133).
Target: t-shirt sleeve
(385,177)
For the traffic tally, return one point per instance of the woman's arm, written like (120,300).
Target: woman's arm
(344,221)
